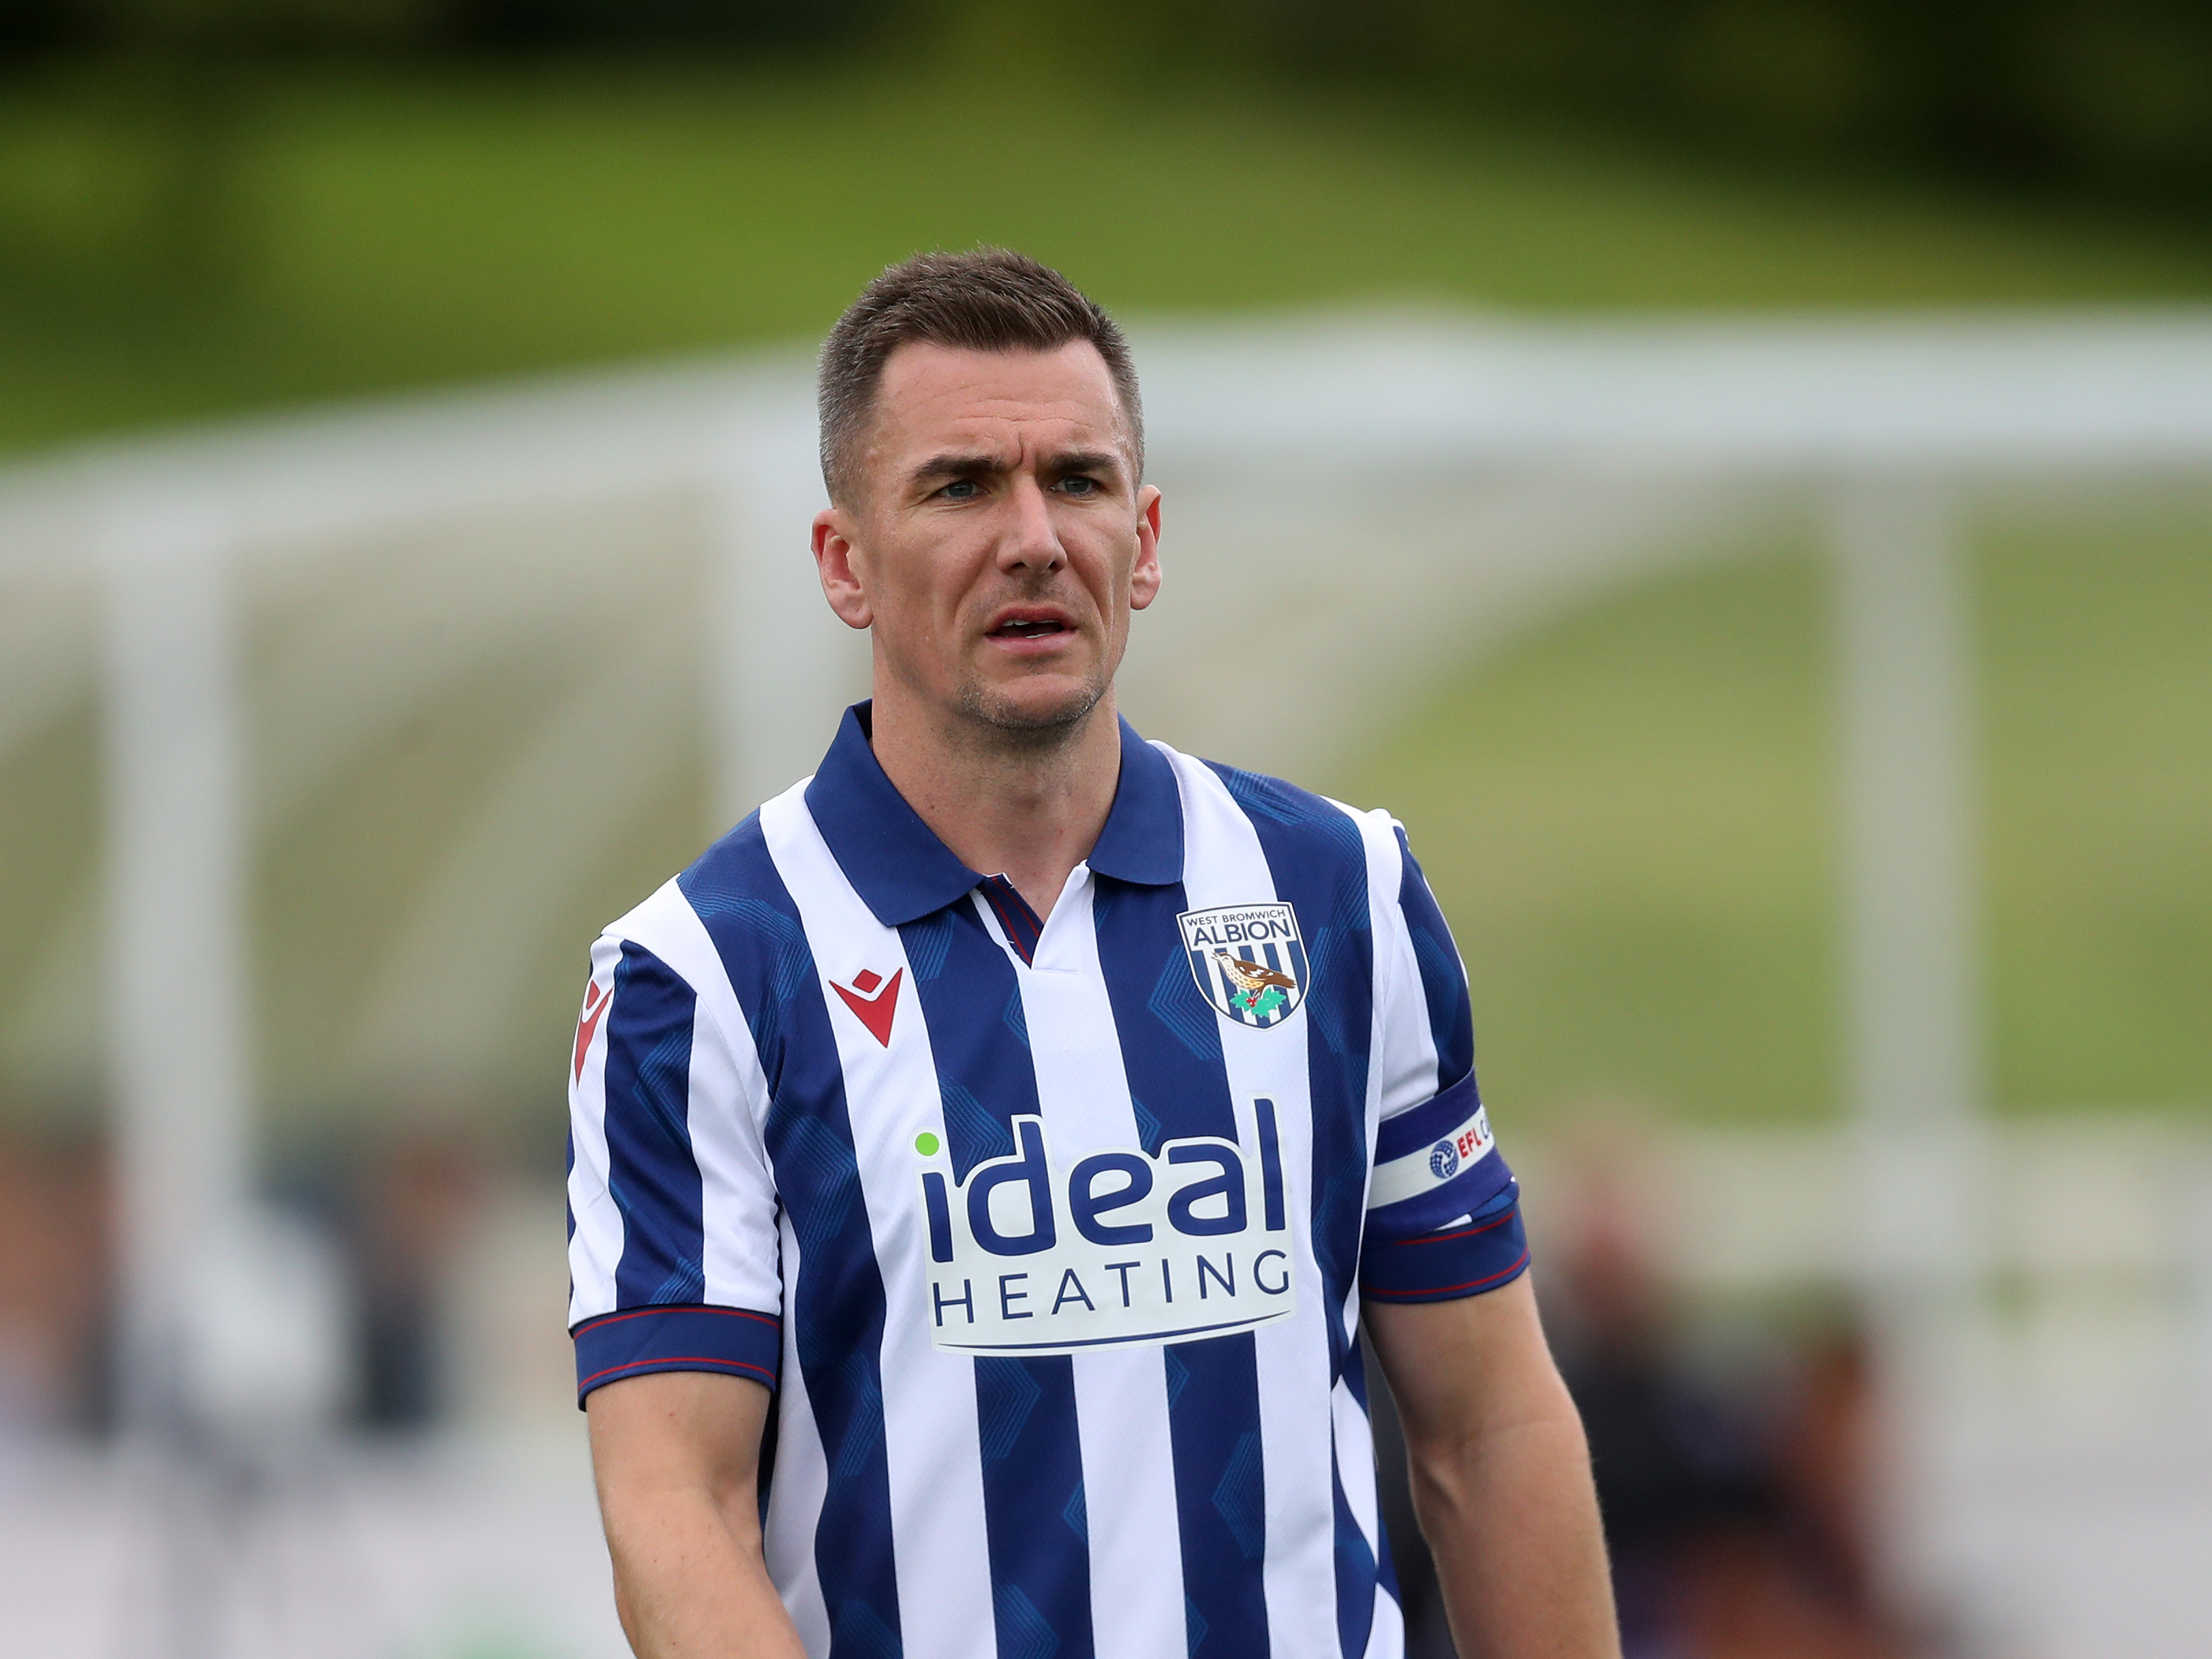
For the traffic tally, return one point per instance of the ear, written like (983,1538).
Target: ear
(835,562)
(1145,580)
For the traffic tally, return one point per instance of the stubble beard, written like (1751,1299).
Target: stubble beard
(1009,725)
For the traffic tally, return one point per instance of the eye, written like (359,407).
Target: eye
(1079,485)
(961,489)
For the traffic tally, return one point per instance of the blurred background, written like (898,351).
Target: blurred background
(1734,476)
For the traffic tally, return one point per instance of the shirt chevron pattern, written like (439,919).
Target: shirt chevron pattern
(1053,1249)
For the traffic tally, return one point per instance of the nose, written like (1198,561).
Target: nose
(1032,541)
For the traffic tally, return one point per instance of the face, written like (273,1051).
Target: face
(1001,538)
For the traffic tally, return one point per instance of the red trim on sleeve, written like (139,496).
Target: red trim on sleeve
(1448,1290)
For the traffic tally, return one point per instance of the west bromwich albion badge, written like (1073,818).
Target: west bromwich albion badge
(1247,959)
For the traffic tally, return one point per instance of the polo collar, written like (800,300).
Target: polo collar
(903,872)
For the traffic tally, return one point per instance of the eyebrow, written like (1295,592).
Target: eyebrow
(1086,460)
(955,463)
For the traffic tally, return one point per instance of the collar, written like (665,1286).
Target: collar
(903,872)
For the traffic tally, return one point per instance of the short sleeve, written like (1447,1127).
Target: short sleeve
(672,1219)
(1443,1207)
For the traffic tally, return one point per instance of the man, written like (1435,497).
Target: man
(982,1155)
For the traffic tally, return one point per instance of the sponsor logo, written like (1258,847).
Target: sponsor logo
(1247,959)
(873,1000)
(1473,1142)
(1423,1169)
(1118,1248)
(587,1024)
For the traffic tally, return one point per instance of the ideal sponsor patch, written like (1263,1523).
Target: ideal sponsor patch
(1117,1248)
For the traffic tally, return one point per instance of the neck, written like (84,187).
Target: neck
(1028,806)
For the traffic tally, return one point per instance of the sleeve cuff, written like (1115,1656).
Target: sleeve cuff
(633,1341)
(1484,1252)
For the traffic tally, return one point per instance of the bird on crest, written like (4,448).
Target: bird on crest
(1251,978)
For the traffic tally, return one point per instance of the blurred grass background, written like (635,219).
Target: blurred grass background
(1634,817)
(357,229)
(1627,814)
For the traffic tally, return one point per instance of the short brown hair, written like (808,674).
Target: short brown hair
(990,299)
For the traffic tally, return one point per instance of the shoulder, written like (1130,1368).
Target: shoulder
(1296,825)
(737,906)
(736,880)
(726,925)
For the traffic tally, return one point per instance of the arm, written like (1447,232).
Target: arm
(676,1457)
(1501,1475)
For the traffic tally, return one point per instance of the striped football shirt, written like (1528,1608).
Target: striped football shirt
(1051,1237)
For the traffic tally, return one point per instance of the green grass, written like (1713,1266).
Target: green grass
(1625,819)
(2097,711)
(382,232)
(1628,815)
(1629,819)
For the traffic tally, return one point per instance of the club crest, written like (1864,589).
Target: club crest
(1247,959)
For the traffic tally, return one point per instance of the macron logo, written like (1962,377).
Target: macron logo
(873,1000)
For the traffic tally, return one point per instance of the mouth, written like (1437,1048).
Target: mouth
(1030,622)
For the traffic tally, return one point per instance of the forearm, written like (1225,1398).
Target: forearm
(1512,1520)
(688,1587)
(1501,1476)
(675,1457)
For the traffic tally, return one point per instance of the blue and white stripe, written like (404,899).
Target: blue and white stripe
(751,1121)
